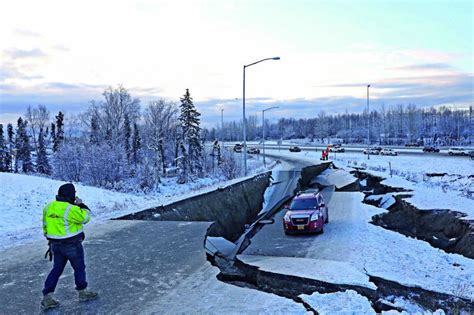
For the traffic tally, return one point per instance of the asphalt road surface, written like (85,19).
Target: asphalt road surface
(130,263)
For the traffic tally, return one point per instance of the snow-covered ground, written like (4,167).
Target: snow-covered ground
(24,196)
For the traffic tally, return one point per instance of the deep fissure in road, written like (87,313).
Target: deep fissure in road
(441,228)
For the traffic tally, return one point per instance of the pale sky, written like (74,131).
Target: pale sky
(64,53)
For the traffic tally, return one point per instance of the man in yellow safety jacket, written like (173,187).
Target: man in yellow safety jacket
(62,226)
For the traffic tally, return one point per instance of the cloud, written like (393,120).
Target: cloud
(20,53)
(10,70)
(426,66)
(26,33)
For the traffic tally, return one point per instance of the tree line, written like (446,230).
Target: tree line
(396,125)
(114,144)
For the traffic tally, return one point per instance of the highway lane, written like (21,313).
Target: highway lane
(349,148)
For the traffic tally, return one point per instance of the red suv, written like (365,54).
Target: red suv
(307,212)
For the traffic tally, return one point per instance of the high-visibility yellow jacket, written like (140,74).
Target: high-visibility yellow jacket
(63,220)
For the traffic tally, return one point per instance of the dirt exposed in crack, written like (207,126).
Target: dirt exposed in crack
(441,228)
(229,208)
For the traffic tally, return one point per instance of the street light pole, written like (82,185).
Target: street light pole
(263,131)
(243,112)
(222,128)
(368,124)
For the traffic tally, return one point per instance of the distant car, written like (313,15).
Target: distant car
(238,148)
(457,151)
(471,155)
(253,150)
(295,149)
(388,152)
(306,213)
(337,149)
(412,144)
(371,151)
(430,148)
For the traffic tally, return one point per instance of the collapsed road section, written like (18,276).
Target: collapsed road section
(251,250)
(352,255)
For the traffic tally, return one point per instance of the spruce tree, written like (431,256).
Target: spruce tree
(183,165)
(42,164)
(136,144)
(127,135)
(53,133)
(189,122)
(57,141)
(23,148)
(3,152)
(11,145)
(94,136)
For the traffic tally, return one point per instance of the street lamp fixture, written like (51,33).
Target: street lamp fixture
(243,111)
(263,131)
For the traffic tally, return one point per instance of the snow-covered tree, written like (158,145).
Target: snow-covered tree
(23,148)
(37,119)
(94,131)
(110,113)
(42,163)
(136,144)
(191,130)
(126,137)
(11,146)
(159,124)
(59,135)
(3,152)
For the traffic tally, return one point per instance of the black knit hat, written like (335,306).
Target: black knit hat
(67,191)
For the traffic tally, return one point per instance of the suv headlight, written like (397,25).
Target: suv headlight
(286,218)
(315,215)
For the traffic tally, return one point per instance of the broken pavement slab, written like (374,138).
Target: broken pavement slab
(337,272)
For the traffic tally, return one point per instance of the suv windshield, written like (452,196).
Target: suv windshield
(303,204)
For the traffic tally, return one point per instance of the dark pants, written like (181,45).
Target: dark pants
(62,252)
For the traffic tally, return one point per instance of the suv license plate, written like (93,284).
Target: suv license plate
(300,227)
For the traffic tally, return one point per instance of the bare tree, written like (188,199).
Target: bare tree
(159,121)
(38,119)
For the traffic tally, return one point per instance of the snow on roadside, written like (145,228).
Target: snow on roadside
(23,198)
(429,197)
(347,302)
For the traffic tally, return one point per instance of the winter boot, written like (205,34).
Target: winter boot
(85,295)
(48,301)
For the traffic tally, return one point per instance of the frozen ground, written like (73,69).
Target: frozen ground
(24,196)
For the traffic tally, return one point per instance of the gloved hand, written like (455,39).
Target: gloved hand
(49,252)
